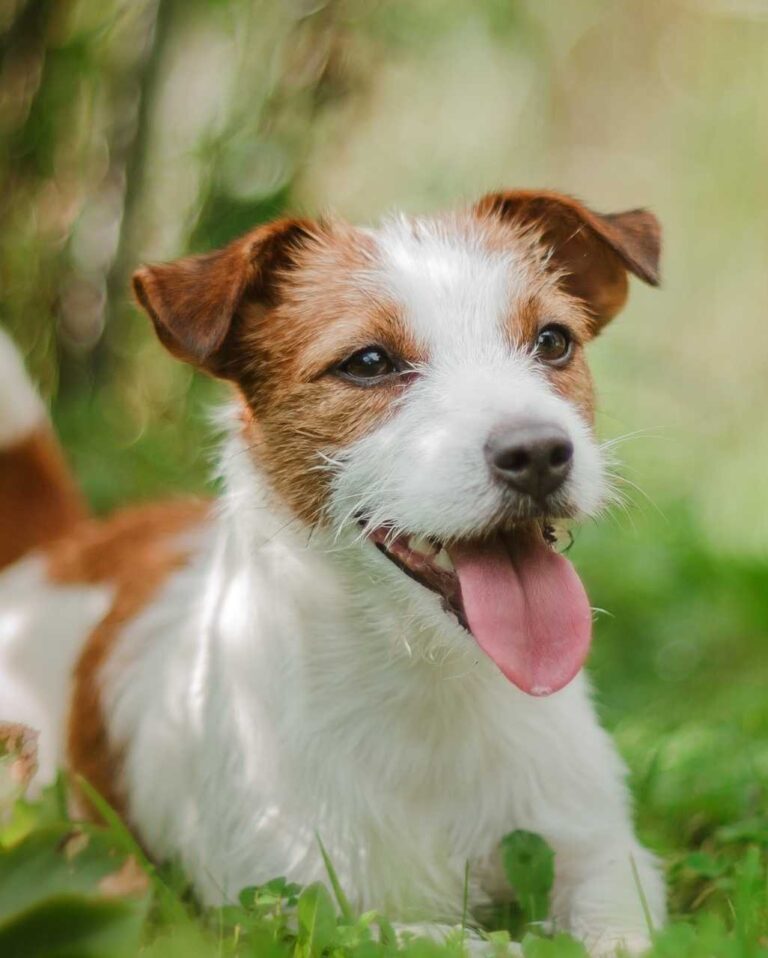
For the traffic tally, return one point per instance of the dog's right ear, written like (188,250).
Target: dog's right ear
(593,252)
(194,302)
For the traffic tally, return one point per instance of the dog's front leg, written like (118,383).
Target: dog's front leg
(604,882)
(570,789)
(607,890)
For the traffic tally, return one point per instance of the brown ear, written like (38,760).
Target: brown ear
(594,251)
(193,302)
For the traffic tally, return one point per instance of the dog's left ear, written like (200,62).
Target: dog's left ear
(593,251)
(195,302)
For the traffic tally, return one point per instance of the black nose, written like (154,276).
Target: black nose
(534,458)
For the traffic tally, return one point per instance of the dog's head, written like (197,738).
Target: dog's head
(422,389)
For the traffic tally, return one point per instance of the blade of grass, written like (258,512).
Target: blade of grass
(643,899)
(343,902)
(465,908)
(465,900)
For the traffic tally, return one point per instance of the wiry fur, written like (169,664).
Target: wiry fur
(288,681)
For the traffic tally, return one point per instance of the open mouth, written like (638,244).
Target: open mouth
(428,562)
(522,602)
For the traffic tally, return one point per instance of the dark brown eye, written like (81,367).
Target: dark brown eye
(367,365)
(554,345)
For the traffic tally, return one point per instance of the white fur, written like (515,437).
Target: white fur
(42,629)
(292,683)
(21,409)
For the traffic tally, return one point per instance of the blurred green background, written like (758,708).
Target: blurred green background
(141,129)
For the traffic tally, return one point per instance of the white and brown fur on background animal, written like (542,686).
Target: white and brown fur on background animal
(366,637)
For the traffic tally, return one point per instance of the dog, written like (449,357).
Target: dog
(368,637)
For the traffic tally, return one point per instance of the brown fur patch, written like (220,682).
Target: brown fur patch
(574,382)
(591,251)
(550,305)
(326,312)
(193,301)
(134,551)
(38,499)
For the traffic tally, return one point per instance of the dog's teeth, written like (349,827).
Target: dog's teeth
(443,561)
(420,544)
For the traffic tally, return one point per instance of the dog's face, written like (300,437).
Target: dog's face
(422,390)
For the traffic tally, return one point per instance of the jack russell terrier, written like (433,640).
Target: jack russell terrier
(369,636)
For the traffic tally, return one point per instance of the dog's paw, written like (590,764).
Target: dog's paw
(477,947)
(471,943)
(617,945)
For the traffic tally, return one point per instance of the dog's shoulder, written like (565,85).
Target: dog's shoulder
(135,552)
(129,546)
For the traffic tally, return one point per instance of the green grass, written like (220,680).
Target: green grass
(680,670)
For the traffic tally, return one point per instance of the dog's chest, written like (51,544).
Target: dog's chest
(239,766)
(400,813)
(246,737)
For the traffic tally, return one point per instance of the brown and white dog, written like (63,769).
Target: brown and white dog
(368,637)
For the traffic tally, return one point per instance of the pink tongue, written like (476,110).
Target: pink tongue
(527,610)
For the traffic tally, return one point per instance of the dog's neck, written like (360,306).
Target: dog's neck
(336,658)
(312,607)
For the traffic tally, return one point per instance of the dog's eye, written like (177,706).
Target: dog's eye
(554,345)
(367,364)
